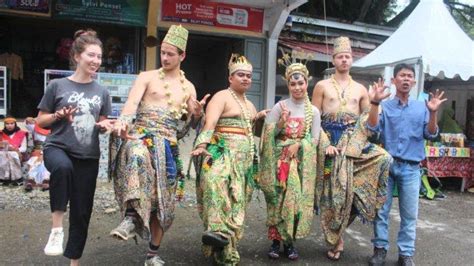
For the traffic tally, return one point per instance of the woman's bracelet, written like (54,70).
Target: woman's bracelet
(55,116)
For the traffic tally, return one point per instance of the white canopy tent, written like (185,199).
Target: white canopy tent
(430,39)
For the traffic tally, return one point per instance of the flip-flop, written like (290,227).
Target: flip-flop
(337,254)
(215,240)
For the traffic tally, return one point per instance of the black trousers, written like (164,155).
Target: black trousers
(72,180)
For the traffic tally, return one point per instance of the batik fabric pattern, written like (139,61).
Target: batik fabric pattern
(354,180)
(225,185)
(288,184)
(145,171)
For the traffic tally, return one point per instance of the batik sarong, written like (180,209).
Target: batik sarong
(225,184)
(288,184)
(146,170)
(355,180)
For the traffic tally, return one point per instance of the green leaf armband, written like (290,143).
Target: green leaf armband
(204,137)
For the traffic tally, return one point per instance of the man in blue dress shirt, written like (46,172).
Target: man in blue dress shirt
(403,124)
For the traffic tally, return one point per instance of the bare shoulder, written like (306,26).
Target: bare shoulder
(220,96)
(191,87)
(252,106)
(146,76)
(360,87)
(322,84)
(189,84)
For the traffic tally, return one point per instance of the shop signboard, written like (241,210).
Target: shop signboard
(213,14)
(118,85)
(27,7)
(124,12)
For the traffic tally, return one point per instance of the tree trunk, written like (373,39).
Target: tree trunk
(403,15)
(364,10)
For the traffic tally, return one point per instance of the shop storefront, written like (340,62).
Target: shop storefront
(37,35)
(220,28)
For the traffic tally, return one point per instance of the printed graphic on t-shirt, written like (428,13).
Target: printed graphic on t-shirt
(83,121)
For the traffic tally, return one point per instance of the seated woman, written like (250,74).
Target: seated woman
(12,145)
(38,175)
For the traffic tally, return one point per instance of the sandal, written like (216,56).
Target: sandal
(336,254)
(336,251)
(291,253)
(274,252)
(215,240)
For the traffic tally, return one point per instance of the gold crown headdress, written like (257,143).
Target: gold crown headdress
(293,66)
(177,36)
(342,45)
(239,62)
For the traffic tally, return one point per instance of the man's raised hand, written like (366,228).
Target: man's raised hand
(378,93)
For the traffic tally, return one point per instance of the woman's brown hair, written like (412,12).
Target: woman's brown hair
(82,38)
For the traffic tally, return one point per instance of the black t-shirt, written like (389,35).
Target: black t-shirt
(79,138)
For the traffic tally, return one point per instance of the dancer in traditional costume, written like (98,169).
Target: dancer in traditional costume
(353,172)
(225,183)
(144,162)
(287,167)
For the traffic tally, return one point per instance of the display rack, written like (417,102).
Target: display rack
(3,90)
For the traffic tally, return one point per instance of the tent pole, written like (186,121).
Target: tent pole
(421,78)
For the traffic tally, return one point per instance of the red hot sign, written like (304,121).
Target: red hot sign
(213,14)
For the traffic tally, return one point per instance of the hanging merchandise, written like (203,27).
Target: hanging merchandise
(14,63)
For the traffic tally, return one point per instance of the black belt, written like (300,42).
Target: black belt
(400,160)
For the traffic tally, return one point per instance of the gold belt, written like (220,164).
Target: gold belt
(231,130)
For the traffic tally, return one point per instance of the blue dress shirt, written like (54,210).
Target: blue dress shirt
(403,128)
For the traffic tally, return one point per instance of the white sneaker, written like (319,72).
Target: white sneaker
(55,242)
(125,230)
(154,261)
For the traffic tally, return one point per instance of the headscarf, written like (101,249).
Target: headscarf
(447,124)
(10,120)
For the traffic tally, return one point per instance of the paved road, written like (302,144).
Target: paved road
(445,237)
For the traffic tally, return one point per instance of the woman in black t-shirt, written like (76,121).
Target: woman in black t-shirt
(75,109)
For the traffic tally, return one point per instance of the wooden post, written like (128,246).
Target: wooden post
(152,24)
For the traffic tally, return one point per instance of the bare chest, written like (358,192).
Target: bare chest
(166,94)
(337,99)
(233,109)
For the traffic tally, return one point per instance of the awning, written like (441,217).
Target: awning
(317,48)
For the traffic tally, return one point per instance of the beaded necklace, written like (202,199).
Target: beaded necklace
(176,113)
(246,115)
(308,115)
(342,95)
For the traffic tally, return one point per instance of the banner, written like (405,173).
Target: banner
(33,7)
(124,12)
(213,14)
(447,152)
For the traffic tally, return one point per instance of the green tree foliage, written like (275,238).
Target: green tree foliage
(368,11)
(464,16)
(382,12)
